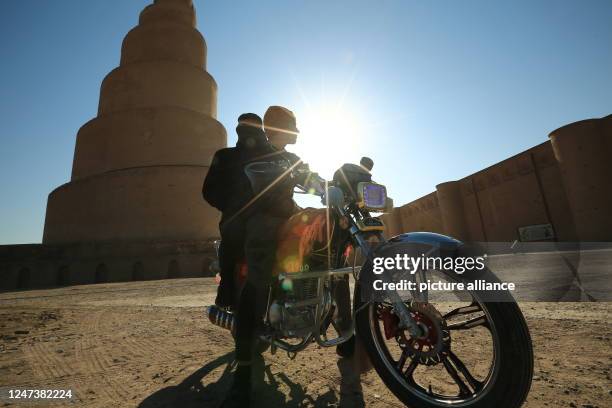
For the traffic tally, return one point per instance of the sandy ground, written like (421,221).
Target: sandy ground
(146,344)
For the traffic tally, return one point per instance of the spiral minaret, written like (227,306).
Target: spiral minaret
(139,165)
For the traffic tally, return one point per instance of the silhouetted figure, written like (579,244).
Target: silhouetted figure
(227,188)
(367,163)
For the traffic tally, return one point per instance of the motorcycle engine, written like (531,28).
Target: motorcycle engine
(293,313)
(290,320)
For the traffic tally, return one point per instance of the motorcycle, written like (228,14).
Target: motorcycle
(414,343)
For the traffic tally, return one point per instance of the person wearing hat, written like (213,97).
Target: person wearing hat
(280,127)
(281,130)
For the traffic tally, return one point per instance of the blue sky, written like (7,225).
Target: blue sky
(432,91)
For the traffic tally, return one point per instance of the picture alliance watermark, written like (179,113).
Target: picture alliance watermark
(478,285)
(458,265)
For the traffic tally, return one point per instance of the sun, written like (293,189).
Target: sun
(330,135)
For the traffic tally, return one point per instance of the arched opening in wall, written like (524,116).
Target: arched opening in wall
(138,272)
(173,269)
(23,278)
(63,276)
(101,273)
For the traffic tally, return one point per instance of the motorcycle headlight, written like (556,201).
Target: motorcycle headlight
(372,196)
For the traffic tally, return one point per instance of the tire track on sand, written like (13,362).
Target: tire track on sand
(45,363)
(95,360)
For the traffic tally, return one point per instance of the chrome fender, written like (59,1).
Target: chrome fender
(427,238)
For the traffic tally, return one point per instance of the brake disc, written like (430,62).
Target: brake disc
(434,343)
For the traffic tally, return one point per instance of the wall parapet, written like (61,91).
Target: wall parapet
(562,182)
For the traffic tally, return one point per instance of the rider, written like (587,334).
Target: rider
(259,220)
(367,163)
(227,188)
(281,130)
(350,174)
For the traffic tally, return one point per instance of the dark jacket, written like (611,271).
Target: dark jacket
(350,175)
(280,200)
(227,188)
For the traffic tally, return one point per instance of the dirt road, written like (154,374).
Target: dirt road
(146,344)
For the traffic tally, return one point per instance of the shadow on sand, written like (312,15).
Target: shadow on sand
(199,391)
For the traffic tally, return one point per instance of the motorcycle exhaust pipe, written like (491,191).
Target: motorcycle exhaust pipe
(220,317)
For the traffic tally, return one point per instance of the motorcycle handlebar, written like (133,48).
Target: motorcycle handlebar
(263,174)
(314,184)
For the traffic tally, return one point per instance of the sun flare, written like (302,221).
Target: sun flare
(329,136)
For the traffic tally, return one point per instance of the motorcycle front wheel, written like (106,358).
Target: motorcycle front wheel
(433,370)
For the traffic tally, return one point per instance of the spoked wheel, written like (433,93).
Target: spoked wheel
(471,354)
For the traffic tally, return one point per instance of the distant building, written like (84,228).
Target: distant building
(139,165)
(560,190)
(133,208)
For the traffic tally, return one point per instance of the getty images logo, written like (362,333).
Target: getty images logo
(412,264)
